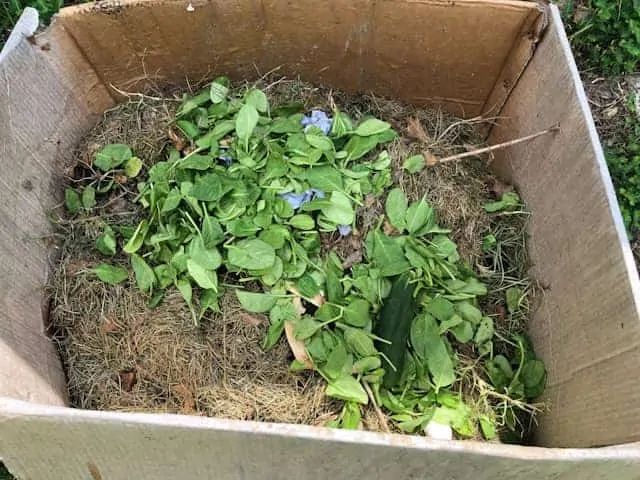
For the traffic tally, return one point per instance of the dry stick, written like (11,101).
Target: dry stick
(381,418)
(498,146)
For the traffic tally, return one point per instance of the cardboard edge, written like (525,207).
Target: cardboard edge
(523,50)
(614,208)
(15,410)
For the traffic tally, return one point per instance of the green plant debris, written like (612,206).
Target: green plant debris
(248,199)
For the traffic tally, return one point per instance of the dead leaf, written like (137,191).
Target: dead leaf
(176,139)
(189,149)
(109,325)
(186,395)
(120,179)
(128,379)
(297,346)
(251,320)
(387,228)
(500,188)
(416,130)
(352,259)
(430,159)
(500,311)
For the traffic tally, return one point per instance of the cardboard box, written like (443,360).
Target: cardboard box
(503,58)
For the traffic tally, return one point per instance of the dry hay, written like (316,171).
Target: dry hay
(120,355)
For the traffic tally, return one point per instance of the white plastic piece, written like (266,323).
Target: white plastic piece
(438,431)
(190,8)
(26,26)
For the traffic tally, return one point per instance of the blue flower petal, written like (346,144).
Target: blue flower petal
(317,119)
(344,230)
(294,199)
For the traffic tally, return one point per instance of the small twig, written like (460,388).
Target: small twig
(497,146)
(142,95)
(381,418)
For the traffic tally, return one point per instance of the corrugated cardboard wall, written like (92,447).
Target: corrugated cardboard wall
(423,51)
(587,328)
(48,96)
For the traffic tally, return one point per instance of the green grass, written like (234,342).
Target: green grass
(4,474)
(607,38)
(10,11)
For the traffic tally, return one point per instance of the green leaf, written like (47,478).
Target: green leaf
(359,342)
(325,178)
(306,327)
(207,258)
(112,156)
(351,416)
(132,167)
(212,233)
(89,197)
(514,297)
(441,308)
(184,287)
(171,201)
(252,254)
(106,242)
(110,274)
(429,346)
(219,90)
(196,162)
(414,163)
(485,330)
(463,332)
(246,122)
(509,201)
(469,312)
(307,286)
(273,335)
(135,242)
(302,222)
(204,278)
(336,361)
(341,124)
(72,201)
(418,214)
(396,208)
(320,142)
(488,427)
(145,278)
(348,389)
(367,364)
(207,188)
(488,242)
(534,377)
(357,313)
(339,211)
(372,126)
(388,255)
(255,302)
(357,147)
(257,99)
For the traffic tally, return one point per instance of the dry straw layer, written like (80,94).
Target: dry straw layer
(120,355)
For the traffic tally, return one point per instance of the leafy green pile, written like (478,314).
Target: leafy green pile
(252,200)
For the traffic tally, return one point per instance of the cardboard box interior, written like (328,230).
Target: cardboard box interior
(469,57)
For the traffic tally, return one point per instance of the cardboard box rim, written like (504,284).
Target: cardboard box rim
(18,416)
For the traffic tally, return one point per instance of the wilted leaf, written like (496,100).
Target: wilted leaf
(414,163)
(416,130)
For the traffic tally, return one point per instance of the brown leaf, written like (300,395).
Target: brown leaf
(251,320)
(430,159)
(316,300)
(121,179)
(109,325)
(297,346)
(128,379)
(388,229)
(352,259)
(416,130)
(176,139)
(499,188)
(186,395)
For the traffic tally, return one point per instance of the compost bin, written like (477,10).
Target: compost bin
(504,59)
